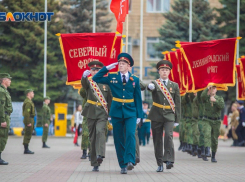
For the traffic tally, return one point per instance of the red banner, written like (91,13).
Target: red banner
(242,64)
(241,85)
(81,48)
(120,10)
(210,62)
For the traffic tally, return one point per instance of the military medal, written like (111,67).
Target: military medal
(104,87)
(133,84)
(170,89)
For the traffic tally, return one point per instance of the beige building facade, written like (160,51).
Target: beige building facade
(152,20)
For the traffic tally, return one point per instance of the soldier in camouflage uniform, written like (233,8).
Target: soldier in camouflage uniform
(5,111)
(213,105)
(28,109)
(85,143)
(200,123)
(182,127)
(188,123)
(46,116)
(195,130)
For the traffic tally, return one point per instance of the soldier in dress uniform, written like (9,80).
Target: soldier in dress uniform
(213,105)
(28,109)
(5,110)
(96,111)
(85,144)
(165,113)
(126,109)
(146,126)
(46,116)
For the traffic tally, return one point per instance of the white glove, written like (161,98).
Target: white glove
(243,124)
(109,118)
(111,66)
(151,86)
(86,73)
(138,120)
(176,124)
(143,120)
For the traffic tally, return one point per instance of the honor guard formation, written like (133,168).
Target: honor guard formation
(115,98)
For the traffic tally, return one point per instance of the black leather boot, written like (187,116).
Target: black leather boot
(187,147)
(84,156)
(45,146)
(199,153)
(2,162)
(190,148)
(203,151)
(181,146)
(27,151)
(213,157)
(184,147)
(207,152)
(194,150)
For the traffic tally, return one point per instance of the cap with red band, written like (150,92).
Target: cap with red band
(126,58)
(164,64)
(95,64)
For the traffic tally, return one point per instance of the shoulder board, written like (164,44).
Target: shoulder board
(134,75)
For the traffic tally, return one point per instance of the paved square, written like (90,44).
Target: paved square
(62,163)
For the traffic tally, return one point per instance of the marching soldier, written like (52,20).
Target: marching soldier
(5,111)
(195,130)
(46,116)
(183,130)
(200,123)
(165,113)
(188,123)
(85,144)
(213,105)
(126,109)
(146,126)
(28,109)
(96,110)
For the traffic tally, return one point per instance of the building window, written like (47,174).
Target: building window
(158,6)
(129,45)
(129,4)
(152,53)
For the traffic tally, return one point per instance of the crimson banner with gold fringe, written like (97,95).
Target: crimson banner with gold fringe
(241,85)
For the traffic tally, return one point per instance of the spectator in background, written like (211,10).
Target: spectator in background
(240,130)
(78,122)
(232,124)
(51,126)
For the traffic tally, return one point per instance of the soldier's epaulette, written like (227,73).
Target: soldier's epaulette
(135,75)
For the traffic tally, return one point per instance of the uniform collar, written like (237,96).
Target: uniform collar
(165,80)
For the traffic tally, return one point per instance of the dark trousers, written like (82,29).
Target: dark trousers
(157,132)
(240,131)
(125,146)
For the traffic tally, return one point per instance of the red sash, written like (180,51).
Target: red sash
(98,94)
(166,93)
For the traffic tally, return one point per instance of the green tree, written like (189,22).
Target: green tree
(78,16)
(227,21)
(22,51)
(176,26)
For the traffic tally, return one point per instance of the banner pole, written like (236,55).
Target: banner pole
(237,34)
(127,33)
(45,52)
(94,16)
(190,21)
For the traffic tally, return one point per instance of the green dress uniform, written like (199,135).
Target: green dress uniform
(137,138)
(125,109)
(5,110)
(85,143)
(145,129)
(212,114)
(46,115)
(96,116)
(28,111)
(162,116)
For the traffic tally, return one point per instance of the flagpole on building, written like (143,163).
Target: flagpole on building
(94,16)
(190,21)
(141,43)
(45,52)
(237,35)
(127,33)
